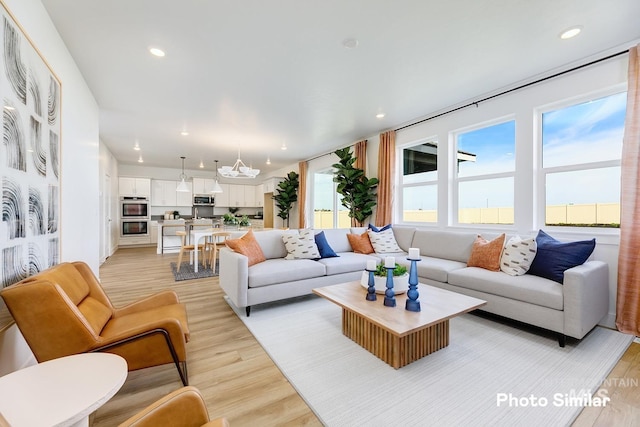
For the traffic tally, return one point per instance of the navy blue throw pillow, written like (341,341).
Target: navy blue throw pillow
(323,246)
(554,257)
(377,230)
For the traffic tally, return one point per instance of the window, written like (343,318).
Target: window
(581,151)
(327,209)
(485,165)
(419,182)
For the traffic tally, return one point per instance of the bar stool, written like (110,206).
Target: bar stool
(218,240)
(184,247)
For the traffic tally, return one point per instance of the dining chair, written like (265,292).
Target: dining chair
(218,240)
(184,247)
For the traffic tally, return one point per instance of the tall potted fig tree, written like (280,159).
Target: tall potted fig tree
(358,192)
(286,195)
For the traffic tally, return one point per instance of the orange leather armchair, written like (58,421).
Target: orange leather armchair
(64,310)
(184,407)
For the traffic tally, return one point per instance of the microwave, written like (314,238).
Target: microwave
(202,200)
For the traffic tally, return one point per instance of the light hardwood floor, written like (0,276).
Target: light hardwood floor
(236,377)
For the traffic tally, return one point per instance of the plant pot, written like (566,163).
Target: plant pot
(400,283)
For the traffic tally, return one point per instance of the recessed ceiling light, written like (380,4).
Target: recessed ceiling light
(136,147)
(284,146)
(140,159)
(184,133)
(350,43)
(380,115)
(268,160)
(156,52)
(570,32)
(201,164)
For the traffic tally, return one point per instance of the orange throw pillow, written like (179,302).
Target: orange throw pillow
(485,254)
(360,243)
(248,246)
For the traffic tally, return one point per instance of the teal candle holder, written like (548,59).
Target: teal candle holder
(412,303)
(371,290)
(389,294)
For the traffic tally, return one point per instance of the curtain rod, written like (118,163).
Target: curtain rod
(540,80)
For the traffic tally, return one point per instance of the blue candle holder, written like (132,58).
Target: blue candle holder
(412,303)
(371,290)
(389,294)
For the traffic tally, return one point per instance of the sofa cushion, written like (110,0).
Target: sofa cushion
(248,246)
(444,244)
(518,255)
(383,241)
(404,236)
(526,288)
(360,243)
(346,263)
(271,243)
(301,245)
(486,254)
(326,251)
(280,270)
(337,239)
(433,268)
(554,257)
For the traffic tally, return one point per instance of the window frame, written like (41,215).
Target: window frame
(541,172)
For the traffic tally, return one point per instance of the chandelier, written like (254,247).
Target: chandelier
(238,170)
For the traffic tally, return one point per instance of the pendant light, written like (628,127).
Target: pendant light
(182,186)
(216,186)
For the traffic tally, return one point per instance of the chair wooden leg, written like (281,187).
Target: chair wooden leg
(180,259)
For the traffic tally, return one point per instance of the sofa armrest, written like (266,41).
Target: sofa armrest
(586,297)
(234,276)
(159,299)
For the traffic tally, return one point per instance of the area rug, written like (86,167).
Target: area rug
(490,374)
(186,271)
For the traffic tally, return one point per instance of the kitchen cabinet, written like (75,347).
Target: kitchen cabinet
(236,195)
(259,195)
(222,199)
(203,185)
(163,193)
(271,184)
(134,186)
(250,196)
(153,233)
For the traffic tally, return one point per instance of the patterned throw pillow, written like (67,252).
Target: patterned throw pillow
(383,241)
(518,255)
(301,245)
(248,246)
(360,243)
(486,254)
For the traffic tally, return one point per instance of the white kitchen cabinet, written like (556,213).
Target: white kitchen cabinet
(203,185)
(250,196)
(134,186)
(153,233)
(222,199)
(184,198)
(259,195)
(163,193)
(236,195)
(271,184)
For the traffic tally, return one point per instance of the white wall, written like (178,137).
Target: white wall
(79,229)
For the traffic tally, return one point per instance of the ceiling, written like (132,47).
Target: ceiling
(253,75)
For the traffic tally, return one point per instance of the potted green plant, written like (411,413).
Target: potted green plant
(286,195)
(400,279)
(358,192)
(244,221)
(229,219)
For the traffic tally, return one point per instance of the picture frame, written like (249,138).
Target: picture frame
(30,155)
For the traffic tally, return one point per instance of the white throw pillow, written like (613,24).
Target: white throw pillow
(301,245)
(517,256)
(383,241)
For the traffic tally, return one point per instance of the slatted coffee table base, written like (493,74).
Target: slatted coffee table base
(395,350)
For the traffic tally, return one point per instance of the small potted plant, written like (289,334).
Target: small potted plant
(244,221)
(400,279)
(229,219)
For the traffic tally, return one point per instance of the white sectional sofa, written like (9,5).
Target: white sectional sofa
(571,308)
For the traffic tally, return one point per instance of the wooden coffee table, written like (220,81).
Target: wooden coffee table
(393,334)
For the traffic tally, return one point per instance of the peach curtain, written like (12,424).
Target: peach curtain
(628,295)
(360,153)
(302,195)
(386,168)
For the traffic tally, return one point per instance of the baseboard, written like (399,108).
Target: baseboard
(608,321)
